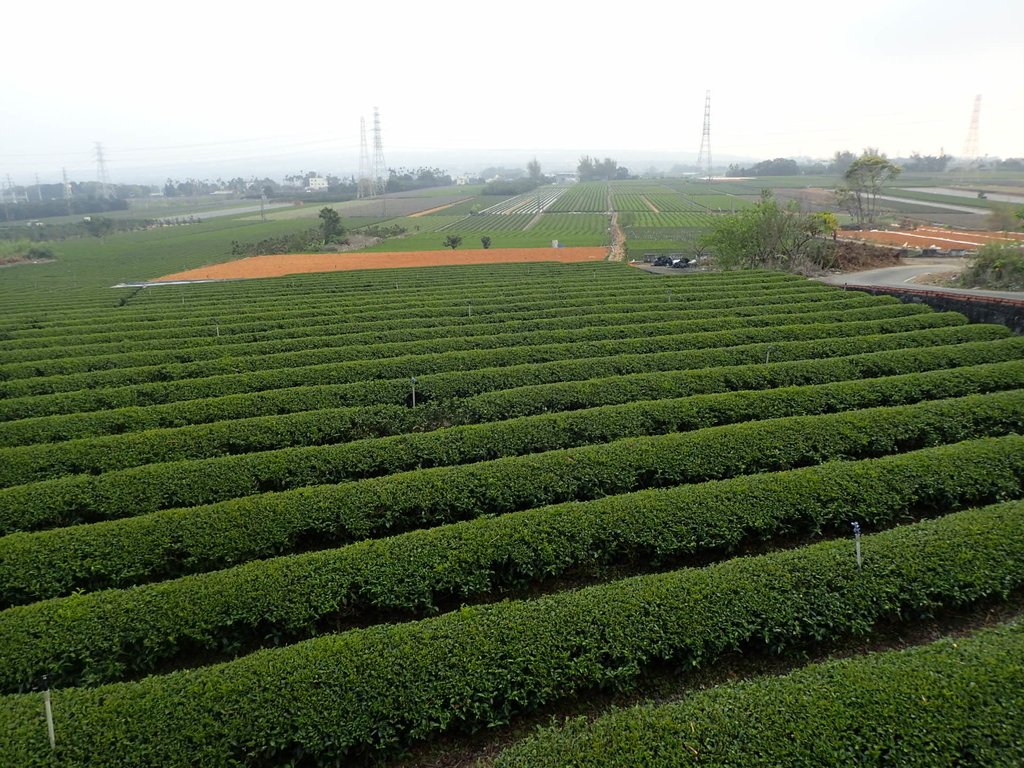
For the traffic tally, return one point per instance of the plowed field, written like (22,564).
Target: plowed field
(930,237)
(296,263)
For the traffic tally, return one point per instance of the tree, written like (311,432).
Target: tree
(99,226)
(485,241)
(841,161)
(770,236)
(453,241)
(1002,217)
(585,168)
(862,184)
(590,169)
(330,225)
(997,267)
(780,166)
(533,171)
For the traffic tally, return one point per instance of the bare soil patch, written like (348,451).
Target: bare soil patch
(13,261)
(298,263)
(438,208)
(852,256)
(934,237)
(941,279)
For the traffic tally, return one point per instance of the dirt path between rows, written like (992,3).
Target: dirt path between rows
(650,205)
(618,247)
(617,251)
(435,210)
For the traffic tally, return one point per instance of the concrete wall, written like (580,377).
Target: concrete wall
(977,309)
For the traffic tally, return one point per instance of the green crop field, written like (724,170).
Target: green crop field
(352,518)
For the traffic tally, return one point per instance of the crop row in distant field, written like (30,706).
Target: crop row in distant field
(668,202)
(489,222)
(585,197)
(534,202)
(630,201)
(720,202)
(562,225)
(674,220)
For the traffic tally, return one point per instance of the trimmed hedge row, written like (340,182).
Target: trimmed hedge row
(425,364)
(141,490)
(566,396)
(96,637)
(953,702)
(457,384)
(95,455)
(398,305)
(348,696)
(174,542)
(353,349)
(328,333)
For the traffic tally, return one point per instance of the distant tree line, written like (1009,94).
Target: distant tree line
(591,169)
(47,231)
(780,166)
(510,186)
(404,179)
(841,161)
(50,208)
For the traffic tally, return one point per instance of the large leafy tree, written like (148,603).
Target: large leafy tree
(862,184)
(769,236)
(330,225)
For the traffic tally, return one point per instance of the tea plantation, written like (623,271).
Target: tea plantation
(326,519)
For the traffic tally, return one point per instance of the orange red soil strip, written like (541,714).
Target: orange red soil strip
(938,238)
(435,210)
(297,263)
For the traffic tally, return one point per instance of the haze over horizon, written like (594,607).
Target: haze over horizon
(211,89)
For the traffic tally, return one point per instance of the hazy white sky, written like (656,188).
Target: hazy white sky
(203,88)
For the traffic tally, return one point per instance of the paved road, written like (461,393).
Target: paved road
(218,212)
(941,206)
(903,277)
(996,196)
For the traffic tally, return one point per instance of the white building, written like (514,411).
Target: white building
(317,184)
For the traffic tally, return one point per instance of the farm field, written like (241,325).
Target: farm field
(300,263)
(364,517)
(934,237)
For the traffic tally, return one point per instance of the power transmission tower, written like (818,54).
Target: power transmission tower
(3,197)
(67,188)
(39,189)
(364,183)
(971,145)
(101,171)
(704,157)
(380,170)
